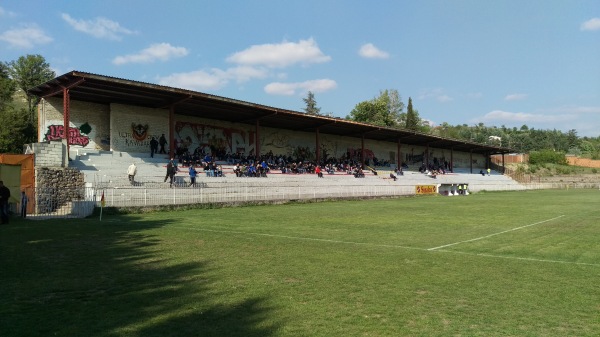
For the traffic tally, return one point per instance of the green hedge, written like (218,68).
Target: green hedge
(547,156)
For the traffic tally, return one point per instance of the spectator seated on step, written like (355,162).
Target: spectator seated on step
(237,169)
(393,176)
(251,170)
(329,168)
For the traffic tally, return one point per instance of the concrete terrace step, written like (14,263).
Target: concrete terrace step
(108,169)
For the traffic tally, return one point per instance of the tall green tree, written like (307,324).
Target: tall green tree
(27,72)
(384,110)
(311,104)
(15,130)
(372,112)
(7,86)
(413,121)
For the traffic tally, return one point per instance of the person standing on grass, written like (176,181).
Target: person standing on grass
(4,196)
(24,200)
(193,174)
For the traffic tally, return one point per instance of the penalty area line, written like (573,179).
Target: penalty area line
(393,246)
(300,238)
(494,234)
(518,258)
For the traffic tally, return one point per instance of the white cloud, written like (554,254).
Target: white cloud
(26,37)
(212,79)
(437,94)
(280,55)
(515,97)
(575,109)
(245,73)
(474,95)
(4,12)
(101,28)
(288,89)
(370,51)
(444,98)
(591,24)
(159,51)
(196,80)
(521,117)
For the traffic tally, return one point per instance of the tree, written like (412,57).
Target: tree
(372,112)
(384,110)
(412,117)
(27,72)
(393,101)
(7,86)
(311,104)
(15,131)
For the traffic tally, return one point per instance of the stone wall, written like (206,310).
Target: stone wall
(57,186)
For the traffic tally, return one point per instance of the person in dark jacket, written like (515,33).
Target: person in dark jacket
(171,170)
(4,196)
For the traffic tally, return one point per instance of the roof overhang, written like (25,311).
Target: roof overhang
(100,89)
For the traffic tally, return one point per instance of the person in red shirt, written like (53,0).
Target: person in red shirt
(318,171)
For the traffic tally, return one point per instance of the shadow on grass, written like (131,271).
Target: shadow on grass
(90,278)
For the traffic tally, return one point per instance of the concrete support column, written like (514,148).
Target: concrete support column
(399,161)
(471,160)
(362,149)
(318,147)
(257,139)
(172,131)
(66,116)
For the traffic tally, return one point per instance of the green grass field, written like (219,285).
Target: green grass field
(490,264)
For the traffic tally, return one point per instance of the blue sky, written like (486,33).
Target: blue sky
(534,62)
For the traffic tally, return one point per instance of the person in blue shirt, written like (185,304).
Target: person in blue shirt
(193,174)
(251,171)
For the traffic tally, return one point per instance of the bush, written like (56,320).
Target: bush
(594,171)
(547,157)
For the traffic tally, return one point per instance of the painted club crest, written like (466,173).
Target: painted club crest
(139,131)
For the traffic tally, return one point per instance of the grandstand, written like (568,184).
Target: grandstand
(107,123)
(105,171)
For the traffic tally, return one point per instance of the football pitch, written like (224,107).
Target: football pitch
(488,264)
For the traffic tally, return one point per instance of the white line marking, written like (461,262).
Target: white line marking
(401,247)
(490,235)
(518,258)
(299,238)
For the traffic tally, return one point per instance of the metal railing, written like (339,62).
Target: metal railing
(47,203)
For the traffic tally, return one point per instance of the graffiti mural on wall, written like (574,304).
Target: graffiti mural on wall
(139,131)
(74,134)
(139,137)
(212,139)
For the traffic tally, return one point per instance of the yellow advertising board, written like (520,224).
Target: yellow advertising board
(426,189)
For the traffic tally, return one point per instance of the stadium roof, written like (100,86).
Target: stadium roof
(101,89)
